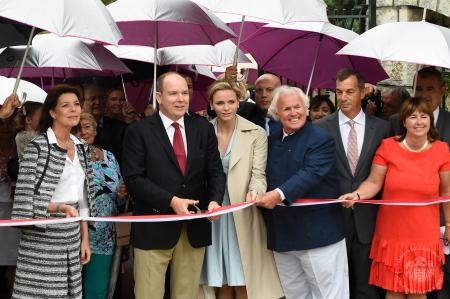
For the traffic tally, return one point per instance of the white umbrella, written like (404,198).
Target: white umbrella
(62,57)
(26,91)
(279,11)
(411,42)
(82,18)
(219,54)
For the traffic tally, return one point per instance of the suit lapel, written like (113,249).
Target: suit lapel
(163,139)
(440,122)
(335,129)
(369,133)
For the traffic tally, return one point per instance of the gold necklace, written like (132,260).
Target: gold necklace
(422,148)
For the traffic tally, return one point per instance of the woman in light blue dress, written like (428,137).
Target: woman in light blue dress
(238,263)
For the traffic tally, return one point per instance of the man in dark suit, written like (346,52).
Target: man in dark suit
(171,162)
(257,112)
(357,136)
(431,87)
(308,242)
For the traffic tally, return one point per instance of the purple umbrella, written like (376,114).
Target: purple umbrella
(305,53)
(166,23)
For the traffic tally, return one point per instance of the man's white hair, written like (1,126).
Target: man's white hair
(286,89)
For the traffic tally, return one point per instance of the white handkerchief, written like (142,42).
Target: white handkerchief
(446,247)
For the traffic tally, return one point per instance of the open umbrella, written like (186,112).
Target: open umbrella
(411,42)
(219,54)
(278,11)
(82,18)
(165,23)
(27,91)
(61,57)
(305,52)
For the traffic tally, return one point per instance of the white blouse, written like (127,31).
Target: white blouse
(71,187)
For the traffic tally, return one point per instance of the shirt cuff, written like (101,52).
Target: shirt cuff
(281,193)
(84,212)
(283,197)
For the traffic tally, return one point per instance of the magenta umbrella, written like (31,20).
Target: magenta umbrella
(305,53)
(166,23)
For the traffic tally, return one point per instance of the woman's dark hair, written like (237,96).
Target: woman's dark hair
(410,106)
(28,110)
(318,100)
(50,103)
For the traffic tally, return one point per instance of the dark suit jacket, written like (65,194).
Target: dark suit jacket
(302,167)
(251,112)
(442,125)
(153,177)
(364,216)
(110,133)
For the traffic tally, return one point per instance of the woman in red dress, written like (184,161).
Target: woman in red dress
(407,252)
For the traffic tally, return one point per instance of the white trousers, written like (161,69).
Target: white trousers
(319,273)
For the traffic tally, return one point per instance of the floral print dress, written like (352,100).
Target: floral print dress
(107,180)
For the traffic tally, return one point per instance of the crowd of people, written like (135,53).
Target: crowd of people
(86,152)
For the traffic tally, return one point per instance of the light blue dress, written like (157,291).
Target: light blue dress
(222,264)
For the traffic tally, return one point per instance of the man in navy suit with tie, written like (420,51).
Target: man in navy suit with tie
(170,162)
(308,241)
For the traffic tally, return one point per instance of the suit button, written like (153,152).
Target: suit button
(183,186)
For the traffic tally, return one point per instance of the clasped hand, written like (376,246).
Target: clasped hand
(180,206)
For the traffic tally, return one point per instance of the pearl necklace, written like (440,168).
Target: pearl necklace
(422,148)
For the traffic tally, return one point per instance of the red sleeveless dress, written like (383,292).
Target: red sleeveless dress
(406,251)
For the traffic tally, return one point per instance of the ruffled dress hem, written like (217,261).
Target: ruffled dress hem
(410,268)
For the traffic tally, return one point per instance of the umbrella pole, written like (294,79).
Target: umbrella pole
(22,64)
(124,89)
(155,64)
(236,53)
(415,79)
(314,65)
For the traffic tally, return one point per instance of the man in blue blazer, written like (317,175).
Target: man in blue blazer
(308,241)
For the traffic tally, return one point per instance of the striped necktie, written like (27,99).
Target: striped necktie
(352,147)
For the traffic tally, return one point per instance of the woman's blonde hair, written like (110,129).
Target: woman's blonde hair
(222,85)
(90,118)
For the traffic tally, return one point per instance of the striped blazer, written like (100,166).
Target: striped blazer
(40,170)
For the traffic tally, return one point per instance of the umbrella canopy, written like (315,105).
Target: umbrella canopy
(411,42)
(297,50)
(172,22)
(27,91)
(220,54)
(250,26)
(61,57)
(82,18)
(279,11)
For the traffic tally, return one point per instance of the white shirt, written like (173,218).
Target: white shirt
(71,188)
(170,130)
(360,126)
(436,115)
